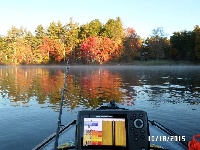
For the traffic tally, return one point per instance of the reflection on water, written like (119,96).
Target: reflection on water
(22,85)
(91,86)
(35,92)
(94,88)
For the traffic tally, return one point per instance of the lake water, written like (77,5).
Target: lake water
(30,96)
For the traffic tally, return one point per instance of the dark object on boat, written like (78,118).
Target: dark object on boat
(112,128)
(160,137)
(111,105)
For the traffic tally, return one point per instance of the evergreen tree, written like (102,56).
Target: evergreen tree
(71,39)
(197,41)
(114,30)
(183,45)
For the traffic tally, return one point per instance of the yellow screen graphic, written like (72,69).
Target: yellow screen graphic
(104,131)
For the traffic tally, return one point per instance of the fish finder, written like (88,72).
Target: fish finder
(112,129)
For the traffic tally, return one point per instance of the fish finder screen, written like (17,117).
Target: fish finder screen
(104,131)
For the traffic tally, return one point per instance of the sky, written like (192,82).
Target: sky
(142,15)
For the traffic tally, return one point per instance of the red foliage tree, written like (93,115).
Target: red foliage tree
(132,44)
(52,48)
(47,46)
(130,32)
(100,49)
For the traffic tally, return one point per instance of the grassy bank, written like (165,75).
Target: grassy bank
(157,63)
(135,63)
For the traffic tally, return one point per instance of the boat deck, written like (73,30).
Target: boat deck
(157,137)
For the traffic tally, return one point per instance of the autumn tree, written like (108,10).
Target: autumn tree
(28,41)
(11,39)
(3,50)
(59,50)
(94,42)
(157,44)
(52,50)
(18,49)
(36,42)
(46,48)
(132,45)
(100,49)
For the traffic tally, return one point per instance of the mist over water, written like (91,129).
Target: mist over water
(30,96)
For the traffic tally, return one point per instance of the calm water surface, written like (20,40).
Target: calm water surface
(30,96)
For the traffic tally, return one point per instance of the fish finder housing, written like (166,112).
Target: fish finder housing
(112,129)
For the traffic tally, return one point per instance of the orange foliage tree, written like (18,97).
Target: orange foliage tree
(100,49)
(52,48)
(132,44)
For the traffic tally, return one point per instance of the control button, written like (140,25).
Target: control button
(140,115)
(143,149)
(138,123)
(136,138)
(142,131)
(132,128)
(142,136)
(134,115)
(135,133)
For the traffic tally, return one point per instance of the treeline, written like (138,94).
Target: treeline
(95,42)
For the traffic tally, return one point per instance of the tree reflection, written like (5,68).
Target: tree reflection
(26,85)
(44,85)
(101,86)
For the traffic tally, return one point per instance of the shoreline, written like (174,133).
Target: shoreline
(133,63)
